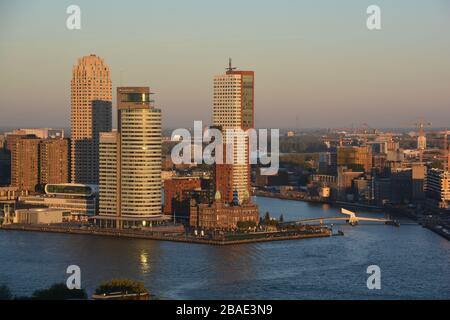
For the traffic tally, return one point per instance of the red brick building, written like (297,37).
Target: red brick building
(173,190)
(220,215)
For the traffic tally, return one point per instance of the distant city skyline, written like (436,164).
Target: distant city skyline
(315,62)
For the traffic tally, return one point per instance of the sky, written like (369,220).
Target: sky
(316,64)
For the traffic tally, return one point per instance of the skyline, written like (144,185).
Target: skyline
(329,81)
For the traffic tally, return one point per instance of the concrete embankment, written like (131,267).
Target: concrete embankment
(238,239)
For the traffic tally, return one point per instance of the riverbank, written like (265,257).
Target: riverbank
(277,195)
(350,205)
(230,239)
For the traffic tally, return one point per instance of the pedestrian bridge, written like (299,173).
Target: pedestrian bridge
(351,218)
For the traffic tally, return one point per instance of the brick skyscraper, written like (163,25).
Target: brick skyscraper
(25,162)
(91,114)
(54,161)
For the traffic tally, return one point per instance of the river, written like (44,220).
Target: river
(414,262)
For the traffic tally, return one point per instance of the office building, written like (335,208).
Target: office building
(355,158)
(109,177)
(91,96)
(438,188)
(233,109)
(130,195)
(77,199)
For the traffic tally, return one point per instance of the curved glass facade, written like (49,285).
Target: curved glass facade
(69,189)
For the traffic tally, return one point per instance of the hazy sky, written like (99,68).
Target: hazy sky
(315,62)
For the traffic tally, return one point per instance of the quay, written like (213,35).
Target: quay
(230,239)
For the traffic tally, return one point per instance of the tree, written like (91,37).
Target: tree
(281,218)
(245,225)
(5,293)
(122,286)
(59,291)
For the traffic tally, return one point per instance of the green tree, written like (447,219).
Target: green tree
(122,286)
(5,293)
(267,217)
(281,218)
(59,291)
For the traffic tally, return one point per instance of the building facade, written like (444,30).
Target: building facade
(91,113)
(54,158)
(220,215)
(355,158)
(77,199)
(25,162)
(438,188)
(233,111)
(173,191)
(135,185)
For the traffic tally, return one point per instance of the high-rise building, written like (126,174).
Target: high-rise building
(130,163)
(5,163)
(25,162)
(233,109)
(91,114)
(109,175)
(54,161)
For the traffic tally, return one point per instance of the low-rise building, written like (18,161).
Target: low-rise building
(220,215)
(78,199)
(39,216)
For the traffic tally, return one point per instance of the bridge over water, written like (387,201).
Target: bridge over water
(351,218)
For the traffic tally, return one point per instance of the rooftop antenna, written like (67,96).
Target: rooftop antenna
(230,65)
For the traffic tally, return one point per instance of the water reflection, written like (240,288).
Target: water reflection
(145,266)
(333,268)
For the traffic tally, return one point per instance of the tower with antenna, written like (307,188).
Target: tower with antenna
(230,67)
